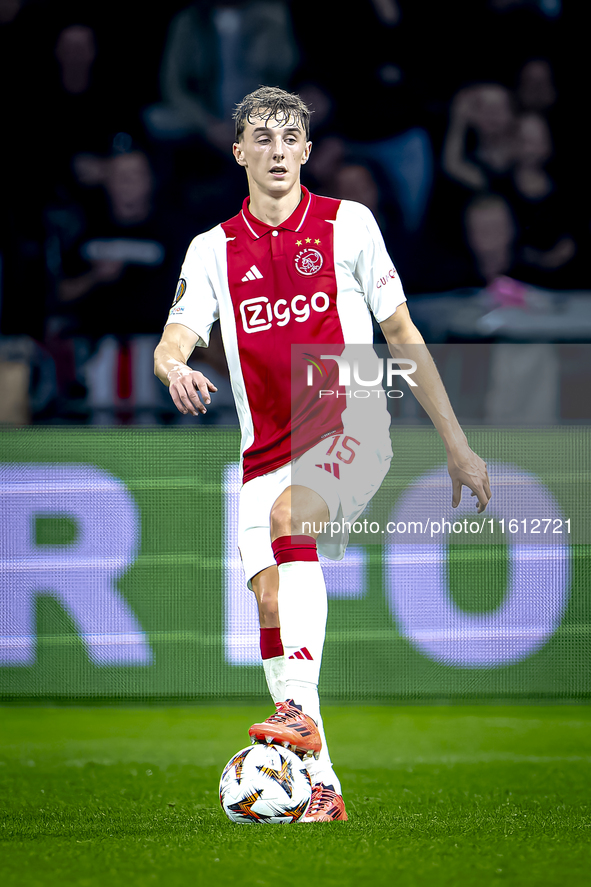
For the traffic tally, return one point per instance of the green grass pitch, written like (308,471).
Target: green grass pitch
(436,795)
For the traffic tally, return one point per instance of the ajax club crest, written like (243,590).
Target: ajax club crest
(308,262)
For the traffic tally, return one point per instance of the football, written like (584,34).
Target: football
(265,784)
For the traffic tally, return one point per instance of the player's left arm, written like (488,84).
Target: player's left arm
(465,467)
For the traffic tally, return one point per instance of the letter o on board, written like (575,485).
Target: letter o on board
(538,577)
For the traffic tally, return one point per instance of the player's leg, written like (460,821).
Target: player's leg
(266,586)
(302,610)
(254,541)
(289,725)
(257,499)
(302,601)
(285,596)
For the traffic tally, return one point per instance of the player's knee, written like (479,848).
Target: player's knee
(268,608)
(281,519)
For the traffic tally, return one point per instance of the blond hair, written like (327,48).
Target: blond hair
(268,102)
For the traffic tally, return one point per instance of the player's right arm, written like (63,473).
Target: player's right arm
(189,389)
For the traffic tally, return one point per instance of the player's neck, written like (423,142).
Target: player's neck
(274,209)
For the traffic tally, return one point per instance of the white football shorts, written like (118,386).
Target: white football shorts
(346,471)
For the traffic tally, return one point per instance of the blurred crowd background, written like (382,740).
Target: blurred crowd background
(458,122)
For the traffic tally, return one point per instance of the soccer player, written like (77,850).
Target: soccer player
(292,267)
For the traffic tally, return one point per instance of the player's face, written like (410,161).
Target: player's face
(272,153)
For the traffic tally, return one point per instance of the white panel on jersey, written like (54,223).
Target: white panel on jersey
(346,579)
(365,273)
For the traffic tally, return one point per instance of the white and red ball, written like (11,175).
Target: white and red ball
(265,784)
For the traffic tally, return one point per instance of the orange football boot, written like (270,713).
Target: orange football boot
(289,727)
(325,805)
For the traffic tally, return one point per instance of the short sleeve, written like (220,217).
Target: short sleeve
(374,269)
(195,303)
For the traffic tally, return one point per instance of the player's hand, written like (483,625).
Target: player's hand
(190,390)
(469,470)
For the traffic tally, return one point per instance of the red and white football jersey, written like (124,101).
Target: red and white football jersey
(314,279)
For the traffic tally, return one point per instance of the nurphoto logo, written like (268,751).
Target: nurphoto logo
(385,370)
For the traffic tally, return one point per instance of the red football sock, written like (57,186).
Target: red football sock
(271,645)
(288,549)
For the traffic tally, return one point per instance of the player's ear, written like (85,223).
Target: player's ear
(238,154)
(306,153)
